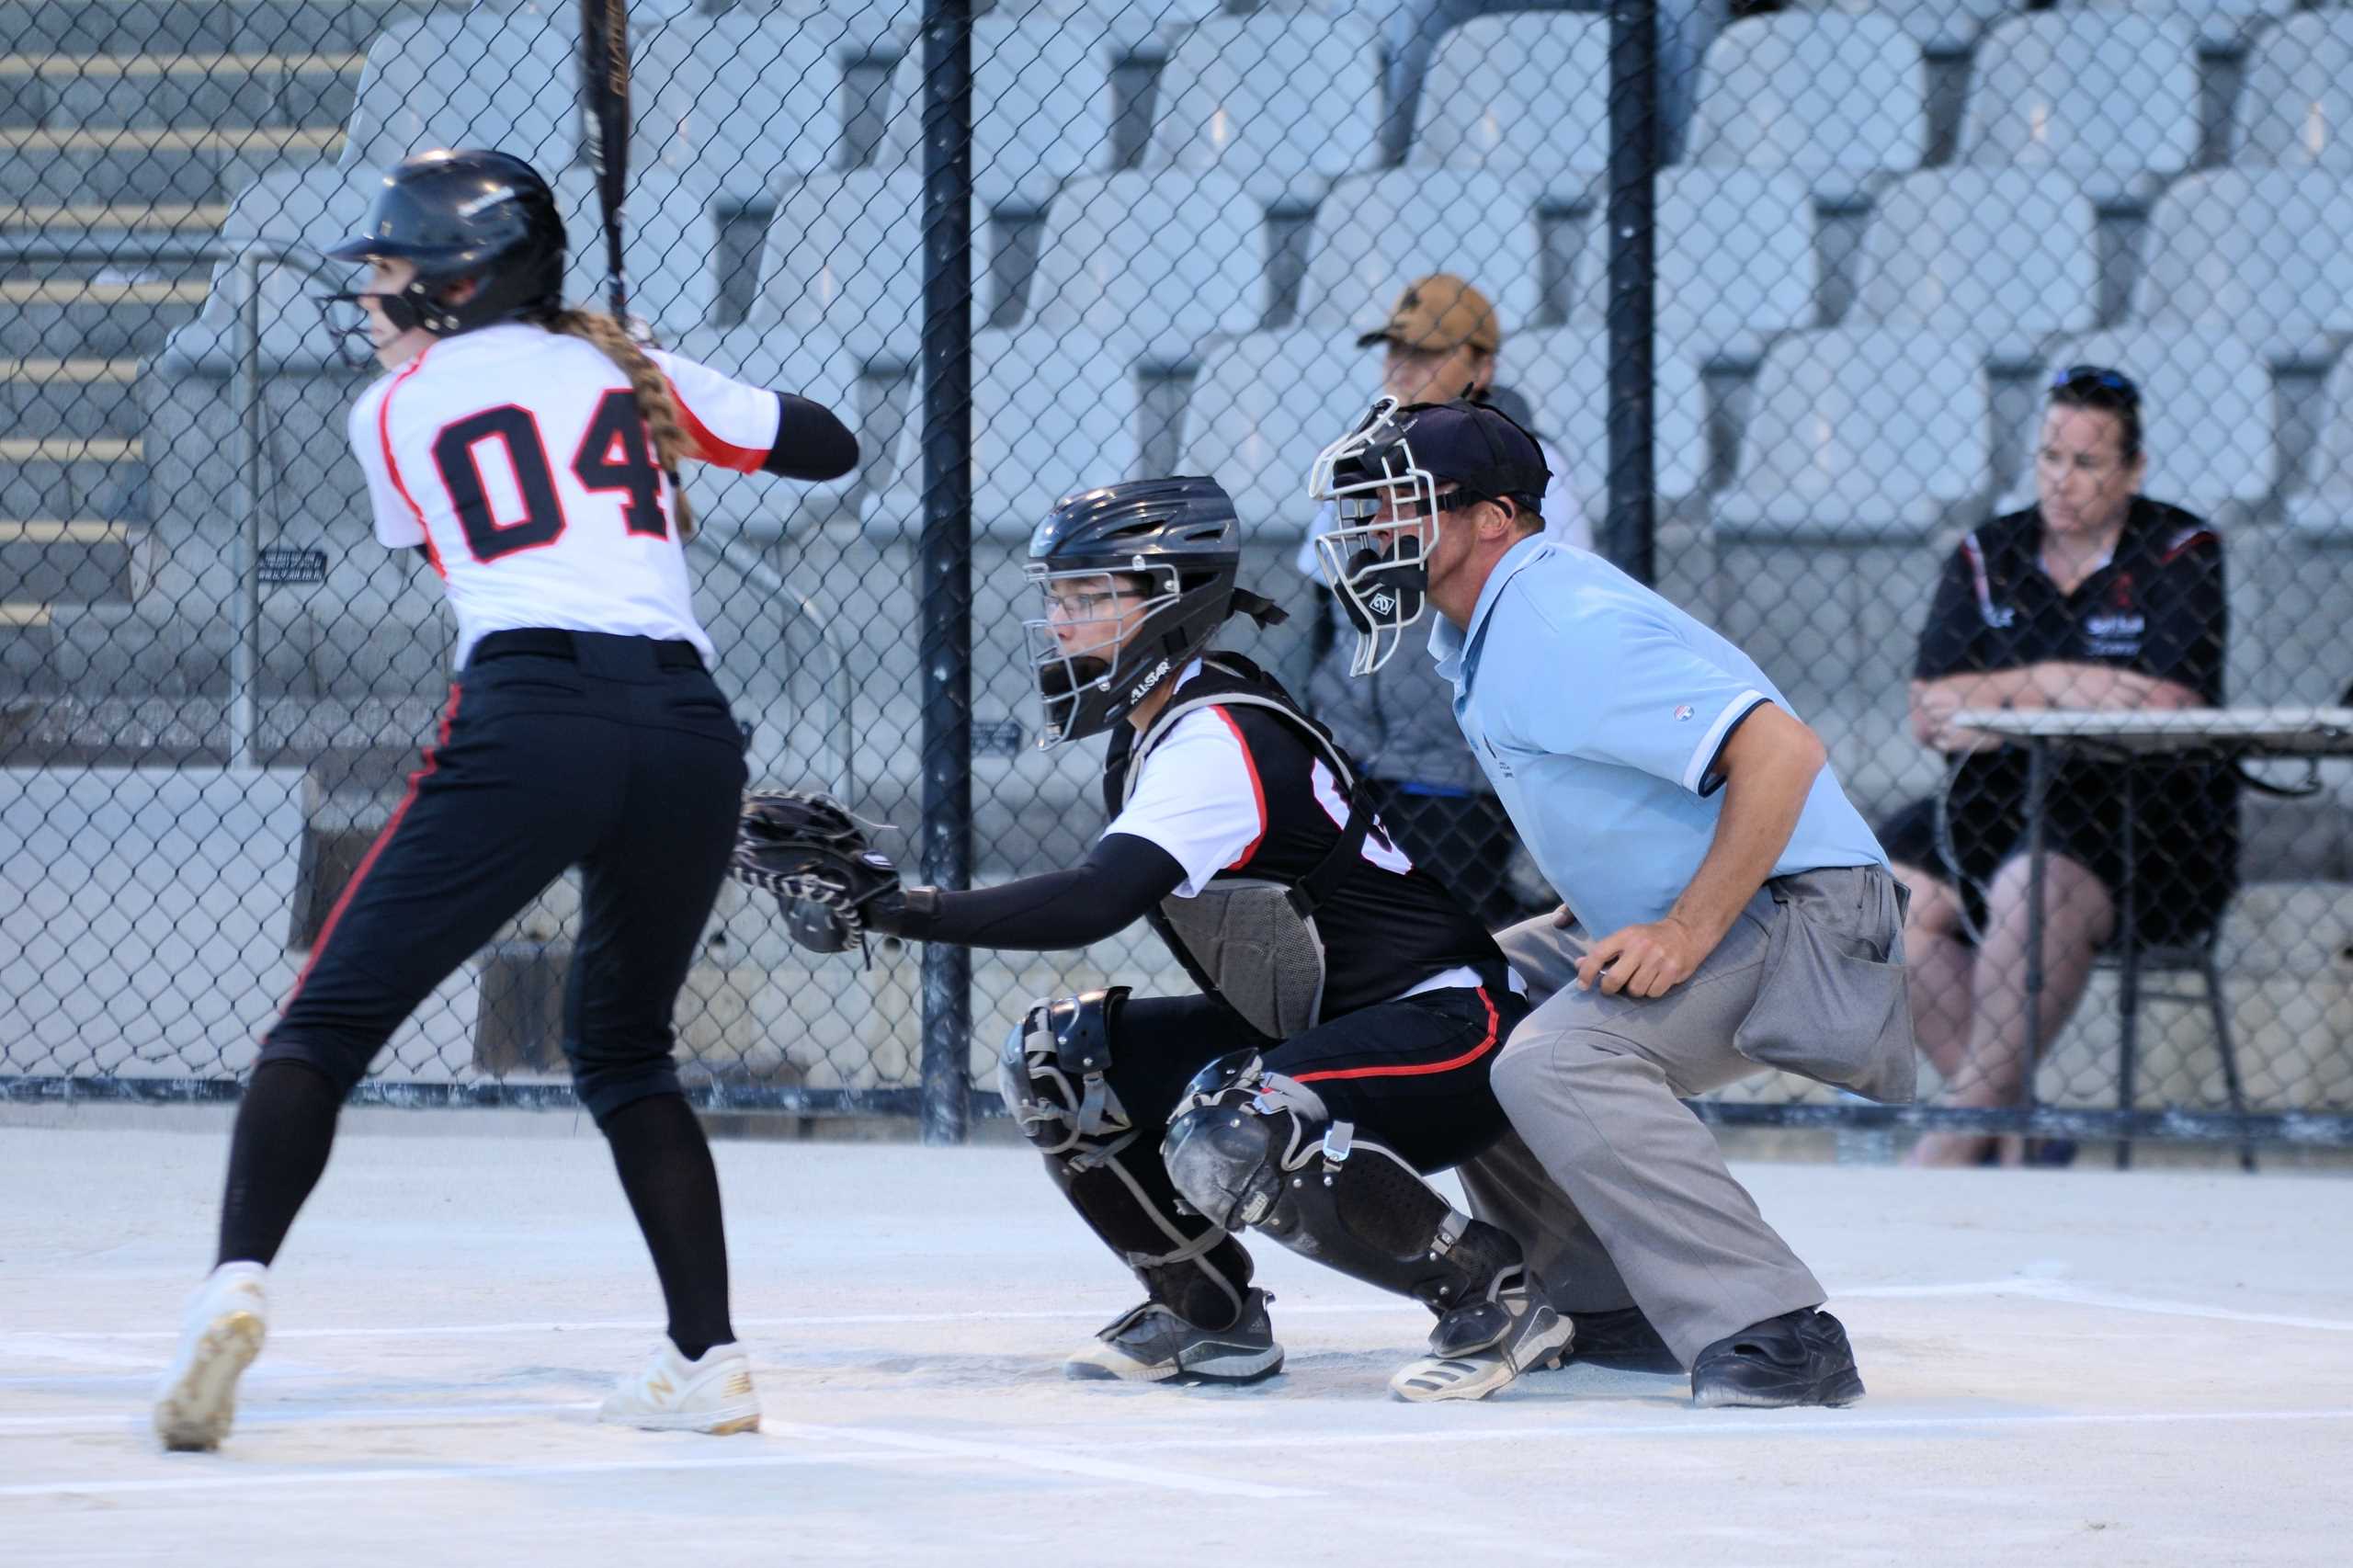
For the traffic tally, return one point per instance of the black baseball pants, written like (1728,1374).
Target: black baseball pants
(617,754)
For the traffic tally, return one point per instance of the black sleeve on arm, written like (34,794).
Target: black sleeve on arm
(1120,880)
(2189,611)
(810,442)
(1953,621)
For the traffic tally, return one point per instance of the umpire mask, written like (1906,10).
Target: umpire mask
(1383,479)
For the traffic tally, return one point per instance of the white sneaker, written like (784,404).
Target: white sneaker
(1484,1346)
(219,1335)
(673,1394)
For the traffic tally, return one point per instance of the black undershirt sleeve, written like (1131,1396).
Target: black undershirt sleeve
(810,442)
(1120,878)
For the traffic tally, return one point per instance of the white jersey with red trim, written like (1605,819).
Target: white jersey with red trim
(517,457)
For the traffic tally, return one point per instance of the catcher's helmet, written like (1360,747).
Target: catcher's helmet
(472,213)
(1181,537)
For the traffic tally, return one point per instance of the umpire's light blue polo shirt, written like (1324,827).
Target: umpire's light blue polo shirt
(1598,710)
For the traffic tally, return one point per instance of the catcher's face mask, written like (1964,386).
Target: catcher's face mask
(1377,560)
(1083,648)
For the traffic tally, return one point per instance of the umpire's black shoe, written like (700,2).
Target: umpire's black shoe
(1622,1340)
(1799,1357)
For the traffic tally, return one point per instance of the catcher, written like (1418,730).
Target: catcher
(1349,1010)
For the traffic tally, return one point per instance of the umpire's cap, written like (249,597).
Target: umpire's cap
(468,213)
(1476,446)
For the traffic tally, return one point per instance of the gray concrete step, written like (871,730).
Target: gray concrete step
(80,318)
(154,163)
(74,92)
(191,27)
(70,397)
(82,561)
(73,476)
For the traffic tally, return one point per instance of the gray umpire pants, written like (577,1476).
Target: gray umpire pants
(1619,1192)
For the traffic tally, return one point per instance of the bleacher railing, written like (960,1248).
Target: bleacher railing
(1784,291)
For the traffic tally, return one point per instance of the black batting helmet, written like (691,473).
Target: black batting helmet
(474,214)
(1180,536)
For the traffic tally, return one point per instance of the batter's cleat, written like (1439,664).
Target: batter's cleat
(713,1394)
(1622,1340)
(1799,1357)
(219,1335)
(1476,1349)
(1150,1344)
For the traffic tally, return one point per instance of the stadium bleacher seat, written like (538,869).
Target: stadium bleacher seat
(1050,414)
(2206,416)
(2297,102)
(1522,93)
(1945,27)
(1860,433)
(844,257)
(2218,24)
(1736,263)
(1839,100)
(1041,109)
(2323,505)
(2267,254)
(1563,372)
(756,103)
(1150,263)
(1375,234)
(1287,103)
(2107,97)
(475,79)
(2006,256)
(1262,407)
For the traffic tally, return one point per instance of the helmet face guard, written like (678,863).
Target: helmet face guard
(1105,640)
(1378,566)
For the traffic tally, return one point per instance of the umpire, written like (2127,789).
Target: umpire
(1726,908)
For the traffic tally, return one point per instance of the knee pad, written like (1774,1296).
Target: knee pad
(1254,1148)
(1050,1073)
(1237,1130)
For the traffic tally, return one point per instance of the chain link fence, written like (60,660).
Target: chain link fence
(1874,234)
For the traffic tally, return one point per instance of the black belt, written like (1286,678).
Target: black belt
(548,643)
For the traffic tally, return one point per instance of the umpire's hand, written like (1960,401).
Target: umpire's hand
(1642,961)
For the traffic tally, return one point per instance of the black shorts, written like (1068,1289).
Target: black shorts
(1411,1073)
(2185,851)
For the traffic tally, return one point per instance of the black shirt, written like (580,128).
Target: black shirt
(2157,607)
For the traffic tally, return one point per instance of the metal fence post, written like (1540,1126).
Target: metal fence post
(1629,534)
(945,553)
(245,656)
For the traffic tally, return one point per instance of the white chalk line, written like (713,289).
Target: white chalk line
(884,1446)
(55,1343)
(309,1413)
(887,1445)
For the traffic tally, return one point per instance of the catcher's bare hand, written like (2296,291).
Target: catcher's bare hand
(813,855)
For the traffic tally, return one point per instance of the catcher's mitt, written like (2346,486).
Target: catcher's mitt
(813,855)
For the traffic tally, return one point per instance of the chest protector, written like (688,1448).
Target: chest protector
(1250,940)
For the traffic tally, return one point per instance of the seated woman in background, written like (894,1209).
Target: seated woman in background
(2095,598)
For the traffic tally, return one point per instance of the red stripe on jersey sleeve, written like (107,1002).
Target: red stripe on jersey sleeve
(392,464)
(2187,540)
(1257,790)
(708,446)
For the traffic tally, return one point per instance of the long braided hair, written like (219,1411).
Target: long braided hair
(653,390)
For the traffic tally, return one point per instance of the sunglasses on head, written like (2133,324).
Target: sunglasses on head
(2087,378)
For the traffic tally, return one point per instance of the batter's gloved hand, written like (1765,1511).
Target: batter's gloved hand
(811,853)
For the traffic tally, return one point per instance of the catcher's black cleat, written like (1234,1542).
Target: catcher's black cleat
(1622,1340)
(1799,1357)
(1150,1344)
